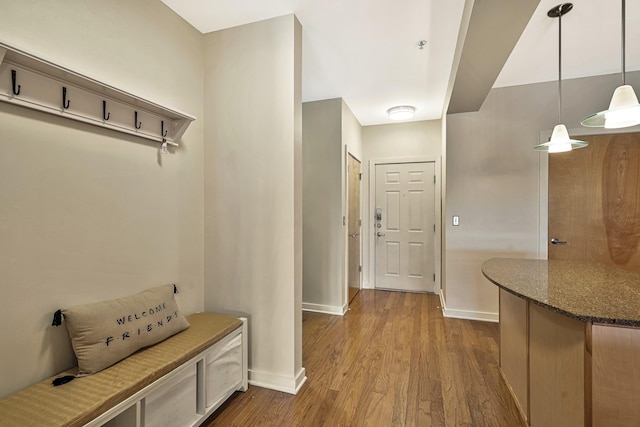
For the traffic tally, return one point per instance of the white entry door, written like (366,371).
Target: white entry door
(404,226)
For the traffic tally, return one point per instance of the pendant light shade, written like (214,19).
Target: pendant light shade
(560,141)
(624,109)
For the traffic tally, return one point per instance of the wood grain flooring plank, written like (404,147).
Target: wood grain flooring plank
(392,360)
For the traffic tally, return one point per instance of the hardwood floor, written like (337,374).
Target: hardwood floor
(392,360)
(352,293)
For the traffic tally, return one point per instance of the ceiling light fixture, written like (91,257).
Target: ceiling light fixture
(560,140)
(402,112)
(624,109)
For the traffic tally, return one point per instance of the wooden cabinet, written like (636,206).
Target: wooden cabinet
(565,372)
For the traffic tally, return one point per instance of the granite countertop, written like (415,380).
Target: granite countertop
(584,290)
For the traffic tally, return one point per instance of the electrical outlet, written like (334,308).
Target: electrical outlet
(456,220)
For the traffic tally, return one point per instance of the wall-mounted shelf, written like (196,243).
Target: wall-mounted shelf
(35,83)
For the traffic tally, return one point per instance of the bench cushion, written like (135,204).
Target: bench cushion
(85,398)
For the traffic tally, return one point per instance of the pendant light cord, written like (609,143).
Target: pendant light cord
(624,77)
(560,64)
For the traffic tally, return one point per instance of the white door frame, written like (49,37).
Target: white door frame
(438,207)
(345,228)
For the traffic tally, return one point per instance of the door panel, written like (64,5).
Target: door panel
(393,210)
(353,168)
(416,255)
(594,201)
(405,236)
(415,210)
(393,258)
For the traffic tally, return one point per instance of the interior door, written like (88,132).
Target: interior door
(355,268)
(404,226)
(594,201)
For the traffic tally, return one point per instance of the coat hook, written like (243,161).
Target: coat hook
(163,132)
(65,101)
(137,124)
(16,89)
(105,115)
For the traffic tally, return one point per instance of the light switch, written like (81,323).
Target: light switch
(456,220)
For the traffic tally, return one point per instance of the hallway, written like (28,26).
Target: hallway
(392,360)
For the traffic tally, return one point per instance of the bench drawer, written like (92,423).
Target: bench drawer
(174,403)
(223,370)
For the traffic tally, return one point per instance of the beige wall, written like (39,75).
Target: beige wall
(402,140)
(351,132)
(322,207)
(88,214)
(493,177)
(330,130)
(253,204)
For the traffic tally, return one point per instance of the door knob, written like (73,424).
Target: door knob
(354,235)
(555,241)
(379,234)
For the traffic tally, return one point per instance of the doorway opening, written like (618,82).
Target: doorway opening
(354,227)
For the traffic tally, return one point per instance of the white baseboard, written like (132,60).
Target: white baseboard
(289,385)
(325,309)
(366,285)
(482,316)
(301,378)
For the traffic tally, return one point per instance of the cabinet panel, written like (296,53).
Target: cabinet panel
(615,375)
(556,369)
(514,349)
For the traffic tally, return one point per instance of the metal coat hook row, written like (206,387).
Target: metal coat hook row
(136,124)
(65,101)
(16,88)
(105,115)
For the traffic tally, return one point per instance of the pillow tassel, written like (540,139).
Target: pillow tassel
(57,318)
(175,289)
(62,380)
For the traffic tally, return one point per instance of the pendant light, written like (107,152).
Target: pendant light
(624,109)
(560,140)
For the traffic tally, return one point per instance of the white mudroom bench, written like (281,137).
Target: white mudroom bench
(180,381)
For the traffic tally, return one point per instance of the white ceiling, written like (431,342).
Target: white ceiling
(366,51)
(591,43)
(362,51)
